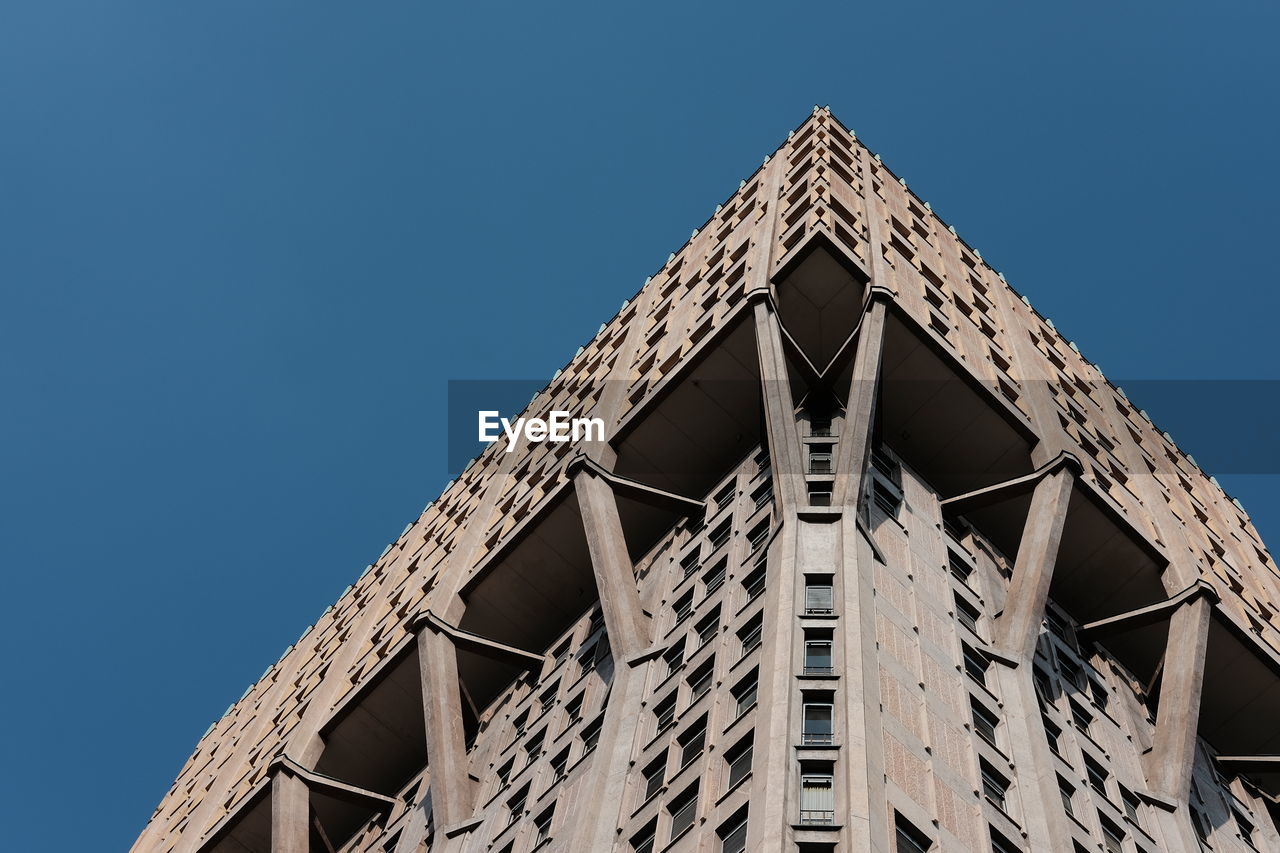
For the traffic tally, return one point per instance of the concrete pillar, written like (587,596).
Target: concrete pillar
(779,407)
(626,623)
(1019,625)
(1173,752)
(451,787)
(290,814)
(855,437)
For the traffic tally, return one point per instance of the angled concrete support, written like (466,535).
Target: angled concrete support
(1018,625)
(1173,751)
(290,814)
(451,787)
(779,406)
(855,438)
(626,623)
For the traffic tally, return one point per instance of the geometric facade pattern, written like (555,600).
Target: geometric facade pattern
(870,558)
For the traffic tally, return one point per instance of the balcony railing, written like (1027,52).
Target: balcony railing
(817,817)
(817,738)
(818,670)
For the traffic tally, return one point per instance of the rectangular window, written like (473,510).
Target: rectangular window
(1068,793)
(817,797)
(591,734)
(542,826)
(515,805)
(714,578)
(995,787)
(819,596)
(1054,736)
(655,775)
(691,741)
(753,583)
(886,465)
(533,747)
(762,495)
(959,566)
(738,760)
(725,496)
(744,693)
(1080,718)
(548,698)
(720,534)
(1112,835)
(683,607)
(985,722)
(820,427)
(908,839)
(665,713)
(758,535)
(1098,692)
(683,809)
(1000,844)
(976,664)
(817,653)
(700,681)
(885,497)
(1132,805)
(820,462)
(708,627)
(559,766)
(642,841)
(967,614)
(819,494)
(1097,775)
(749,635)
(733,835)
(573,710)
(691,562)
(818,723)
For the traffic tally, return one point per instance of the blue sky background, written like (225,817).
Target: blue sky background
(244,245)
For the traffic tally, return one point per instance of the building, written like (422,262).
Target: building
(870,559)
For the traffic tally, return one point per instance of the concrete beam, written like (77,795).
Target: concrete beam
(1018,626)
(855,438)
(634,489)
(1146,616)
(469,641)
(1009,489)
(451,787)
(290,814)
(1173,751)
(780,421)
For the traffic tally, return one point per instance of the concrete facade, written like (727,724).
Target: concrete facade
(871,559)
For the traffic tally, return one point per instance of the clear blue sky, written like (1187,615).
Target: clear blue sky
(244,245)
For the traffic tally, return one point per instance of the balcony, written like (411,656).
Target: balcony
(818,738)
(817,817)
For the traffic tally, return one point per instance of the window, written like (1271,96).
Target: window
(519,722)
(1244,826)
(683,809)
(817,653)
(1071,674)
(548,698)
(700,680)
(597,621)
(542,826)
(820,461)
(820,427)
(733,834)
(749,635)
(1059,627)
(559,766)
(819,596)
(691,562)
(1068,792)
(683,607)
(504,773)
(754,582)
(1131,806)
(588,657)
(573,708)
(674,657)
(886,498)
(1054,735)
(707,627)
(758,535)
(738,760)
(642,841)
(515,805)
(714,579)
(762,495)
(1098,692)
(818,726)
(819,494)
(561,653)
(959,566)
(692,741)
(724,497)
(744,693)
(817,796)
(886,465)
(1000,844)
(1097,775)
(1044,687)
(665,713)
(995,787)
(1112,835)
(967,614)
(591,734)
(655,775)
(908,839)
(1080,718)
(1201,825)
(985,723)
(720,535)
(533,747)
(976,664)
